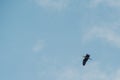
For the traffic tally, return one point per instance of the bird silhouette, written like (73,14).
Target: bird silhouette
(86,57)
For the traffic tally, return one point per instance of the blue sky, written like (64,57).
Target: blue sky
(46,39)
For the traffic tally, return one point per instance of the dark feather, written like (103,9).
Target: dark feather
(85,59)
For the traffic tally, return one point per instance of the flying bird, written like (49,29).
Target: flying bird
(86,57)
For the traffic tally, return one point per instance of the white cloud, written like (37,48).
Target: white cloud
(53,4)
(110,3)
(54,70)
(115,3)
(102,33)
(39,45)
(117,75)
(94,3)
(89,72)
(67,74)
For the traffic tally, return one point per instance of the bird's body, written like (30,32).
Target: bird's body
(86,59)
